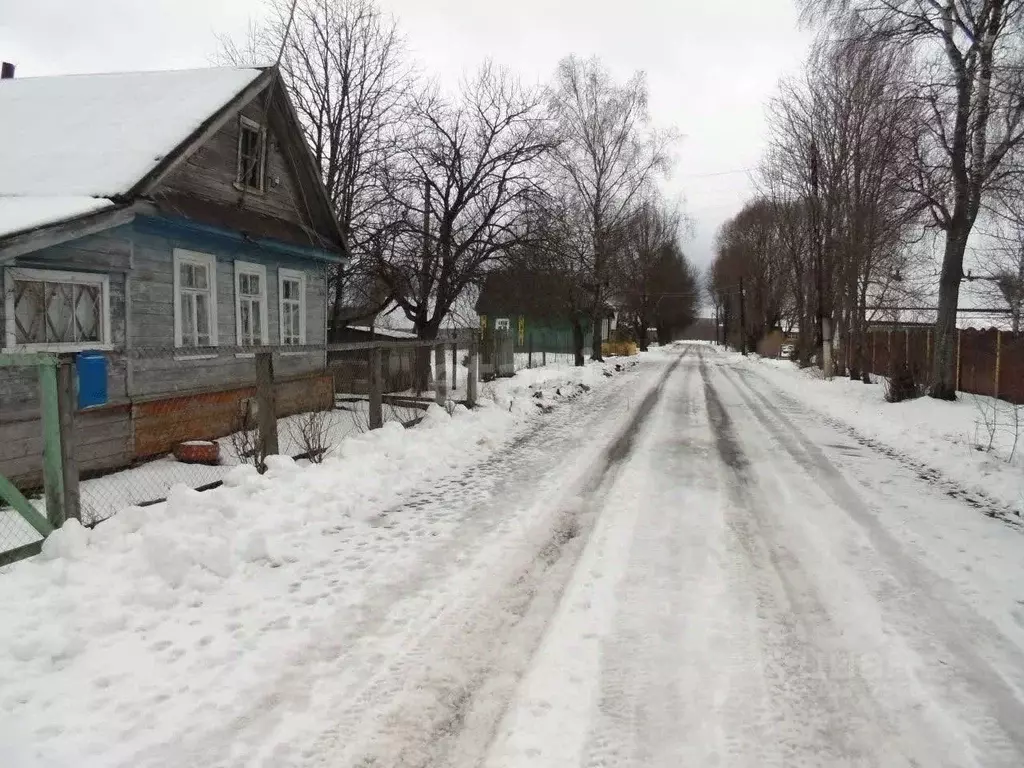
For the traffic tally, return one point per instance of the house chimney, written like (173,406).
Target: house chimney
(6,71)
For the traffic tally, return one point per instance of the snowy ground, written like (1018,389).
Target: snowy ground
(977,441)
(685,565)
(167,623)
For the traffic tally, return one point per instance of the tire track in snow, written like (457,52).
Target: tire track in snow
(816,718)
(642,702)
(454,517)
(460,652)
(993,708)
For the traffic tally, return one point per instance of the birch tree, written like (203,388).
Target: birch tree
(606,158)
(970,58)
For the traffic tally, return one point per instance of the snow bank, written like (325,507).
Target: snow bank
(163,615)
(950,437)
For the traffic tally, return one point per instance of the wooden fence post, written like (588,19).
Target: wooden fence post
(69,461)
(376,383)
(873,352)
(266,405)
(455,366)
(440,376)
(53,474)
(928,350)
(888,351)
(529,354)
(906,346)
(471,372)
(999,360)
(959,351)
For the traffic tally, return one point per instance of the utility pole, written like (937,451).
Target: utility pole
(743,321)
(823,319)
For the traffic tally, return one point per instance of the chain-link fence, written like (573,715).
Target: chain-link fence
(179,416)
(187,416)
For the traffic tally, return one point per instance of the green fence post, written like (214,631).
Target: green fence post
(53,472)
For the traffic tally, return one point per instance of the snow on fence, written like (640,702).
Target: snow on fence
(989,362)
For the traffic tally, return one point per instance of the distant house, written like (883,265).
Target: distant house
(533,307)
(158,217)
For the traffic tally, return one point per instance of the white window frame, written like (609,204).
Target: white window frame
(502,324)
(291,274)
(248,123)
(210,262)
(55,276)
(249,268)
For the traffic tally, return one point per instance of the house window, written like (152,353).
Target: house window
(501,324)
(292,293)
(195,299)
(57,311)
(251,154)
(251,304)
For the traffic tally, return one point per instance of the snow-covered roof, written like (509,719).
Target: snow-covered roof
(21,213)
(98,135)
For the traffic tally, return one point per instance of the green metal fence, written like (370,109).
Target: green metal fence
(24,524)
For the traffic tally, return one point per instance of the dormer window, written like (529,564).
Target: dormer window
(252,153)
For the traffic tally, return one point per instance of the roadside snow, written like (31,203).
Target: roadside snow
(950,437)
(165,615)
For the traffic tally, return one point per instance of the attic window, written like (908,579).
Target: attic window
(252,154)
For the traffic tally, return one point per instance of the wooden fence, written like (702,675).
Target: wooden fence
(988,362)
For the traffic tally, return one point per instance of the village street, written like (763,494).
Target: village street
(684,567)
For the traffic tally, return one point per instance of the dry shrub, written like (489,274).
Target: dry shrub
(903,385)
(311,431)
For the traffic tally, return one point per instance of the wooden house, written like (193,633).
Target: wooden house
(533,306)
(170,220)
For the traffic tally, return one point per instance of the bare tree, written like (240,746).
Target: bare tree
(607,156)
(347,74)
(459,195)
(841,151)
(1001,281)
(649,233)
(971,63)
(678,285)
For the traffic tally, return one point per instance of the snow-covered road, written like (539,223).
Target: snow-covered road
(761,590)
(684,567)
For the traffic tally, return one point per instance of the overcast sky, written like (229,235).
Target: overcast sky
(711,64)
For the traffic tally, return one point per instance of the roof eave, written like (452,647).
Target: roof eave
(26,241)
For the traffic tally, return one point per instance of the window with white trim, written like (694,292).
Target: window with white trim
(195,299)
(291,286)
(56,310)
(502,324)
(252,154)
(251,304)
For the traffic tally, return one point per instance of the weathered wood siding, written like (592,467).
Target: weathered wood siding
(160,369)
(144,366)
(211,173)
(104,434)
